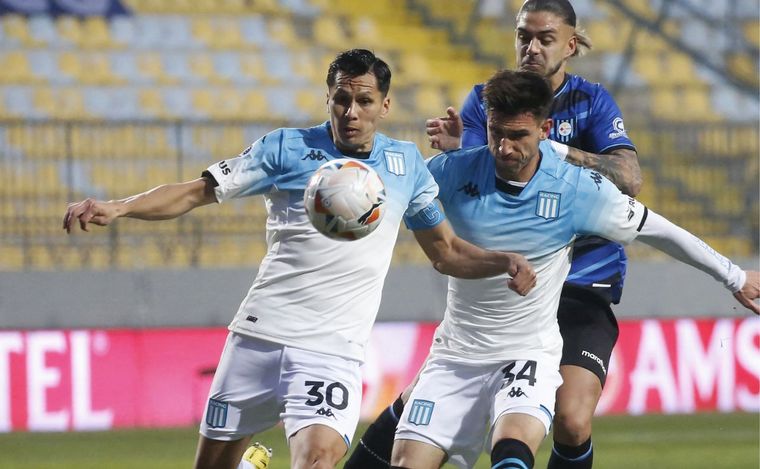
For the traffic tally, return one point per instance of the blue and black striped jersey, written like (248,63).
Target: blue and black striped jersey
(585,117)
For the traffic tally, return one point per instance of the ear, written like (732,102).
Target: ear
(572,46)
(546,128)
(386,107)
(327,102)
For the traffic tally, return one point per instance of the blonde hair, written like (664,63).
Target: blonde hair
(584,43)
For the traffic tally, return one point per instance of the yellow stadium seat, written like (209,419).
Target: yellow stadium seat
(281,30)
(152,103)
(16,69)
(70,30)
(16,30)
(151,67)
(96,33)
(329,31)
(255,105)
(313,104)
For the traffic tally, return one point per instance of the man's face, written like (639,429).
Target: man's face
(513,141)
(543,42)
(355,105)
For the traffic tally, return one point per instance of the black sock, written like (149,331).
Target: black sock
(571,457)
(375,446)
(511,454)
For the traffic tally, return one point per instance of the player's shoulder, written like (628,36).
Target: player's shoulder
(386,143)
(458,162)
(579,84)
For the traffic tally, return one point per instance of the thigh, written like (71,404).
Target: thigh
(414,454)
(527,387)
(448,409)
(243,395)
(526,428)
(589,330)
(320,389)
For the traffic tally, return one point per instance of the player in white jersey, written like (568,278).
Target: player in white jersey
(297,341)
(494,363)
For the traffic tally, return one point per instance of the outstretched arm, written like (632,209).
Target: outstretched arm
(451,255)
(661,234)
(160,203)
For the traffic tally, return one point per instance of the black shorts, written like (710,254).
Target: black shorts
(589,329)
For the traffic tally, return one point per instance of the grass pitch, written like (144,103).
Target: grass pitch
(676,441)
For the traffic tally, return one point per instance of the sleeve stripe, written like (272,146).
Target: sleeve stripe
(643,219)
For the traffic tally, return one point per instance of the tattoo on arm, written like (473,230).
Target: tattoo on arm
(621,167)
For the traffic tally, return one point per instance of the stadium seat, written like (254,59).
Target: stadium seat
(16,31)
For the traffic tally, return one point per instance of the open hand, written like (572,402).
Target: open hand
(750,291)
(445,133)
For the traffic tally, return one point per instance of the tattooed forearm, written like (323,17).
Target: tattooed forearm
(621,167)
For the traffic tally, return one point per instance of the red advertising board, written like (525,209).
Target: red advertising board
(57,380)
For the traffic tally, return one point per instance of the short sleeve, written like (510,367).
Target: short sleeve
(606,129)
(602,210)
(474,120)
(255,171)
(425,188)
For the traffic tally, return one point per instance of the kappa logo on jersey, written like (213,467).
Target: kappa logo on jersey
(597,178)
(470,189)
(421,412)
(548,205)
(314,156)
(326,412)
(631,206)
(516,392)
(565,128)
(216,414)
(618,128)
(394,161)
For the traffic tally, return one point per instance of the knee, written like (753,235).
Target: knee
(572,428)
(318,456)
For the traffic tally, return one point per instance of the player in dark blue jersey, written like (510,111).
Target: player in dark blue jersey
(588,130)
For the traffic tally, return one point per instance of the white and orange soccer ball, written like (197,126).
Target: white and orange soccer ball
(345,199)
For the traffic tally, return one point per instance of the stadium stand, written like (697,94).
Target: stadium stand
(107,106)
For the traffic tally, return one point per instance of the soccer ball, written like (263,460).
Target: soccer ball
(344,199)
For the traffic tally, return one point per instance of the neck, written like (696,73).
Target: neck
(556,80)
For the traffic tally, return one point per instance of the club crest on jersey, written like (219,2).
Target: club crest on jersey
(548,205)
(394,162)
(421,412)
(565,129)
(216,414)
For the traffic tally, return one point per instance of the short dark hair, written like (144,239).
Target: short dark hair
(510,93)
(561,8)
(356,62)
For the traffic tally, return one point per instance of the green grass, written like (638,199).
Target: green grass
(697,441)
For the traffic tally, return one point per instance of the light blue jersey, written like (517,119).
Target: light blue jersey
(313,292)
(484,320)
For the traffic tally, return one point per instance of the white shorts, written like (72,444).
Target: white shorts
(454,406)
(259,383)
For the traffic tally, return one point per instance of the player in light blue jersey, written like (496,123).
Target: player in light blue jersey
(588,129)
(493,367)
(297,341)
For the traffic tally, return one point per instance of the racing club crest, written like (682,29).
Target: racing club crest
(394,162)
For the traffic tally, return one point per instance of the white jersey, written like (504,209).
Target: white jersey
(312,292)
(484,320)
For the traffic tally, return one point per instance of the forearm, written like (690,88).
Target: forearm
(166,201)
(465,260)
(621,167)
(685,247)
